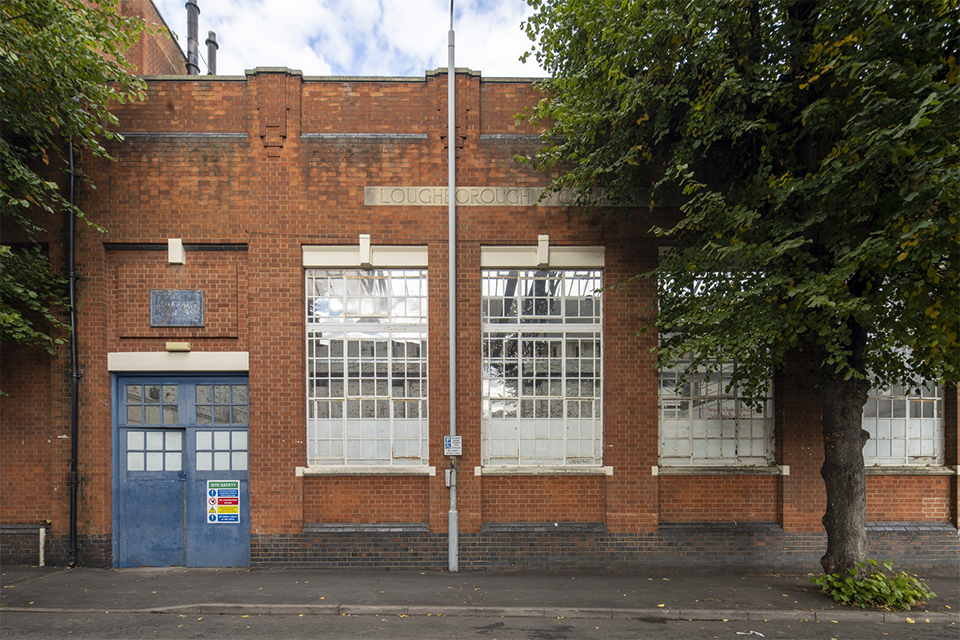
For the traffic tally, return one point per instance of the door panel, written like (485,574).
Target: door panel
(150,506)
(219,456)
(173,435)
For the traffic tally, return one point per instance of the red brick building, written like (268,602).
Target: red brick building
(264,344)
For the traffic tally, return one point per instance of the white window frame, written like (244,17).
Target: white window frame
(352,262)
(906,428)
(547,440)
(703,424)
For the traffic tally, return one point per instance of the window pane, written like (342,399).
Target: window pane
(239,461)
(135,440)
(239,440)
(155,440)
(154,461)
(239,394)
(135,461)
(705,420)
(151,414)
(221,460)
(365,328)
(902,428)
(221,440)
(135,415)
(539,351)
(170,414)
(173,461)
(134,394)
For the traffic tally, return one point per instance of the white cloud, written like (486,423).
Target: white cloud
(359,37)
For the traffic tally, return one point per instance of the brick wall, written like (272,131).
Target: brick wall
(538,499)
(909,498)
(365,500)
(221,275)
(156,53)
(719,498)
(245,171)
(799,445)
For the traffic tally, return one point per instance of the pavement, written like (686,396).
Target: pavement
(646,595)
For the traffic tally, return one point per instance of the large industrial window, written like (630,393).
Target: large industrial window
(702,422)
(541,367)
(366,366)
(905,427)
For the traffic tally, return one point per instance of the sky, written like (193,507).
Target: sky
(359,37)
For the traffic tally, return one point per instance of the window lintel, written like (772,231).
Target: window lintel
(353,256)
(531,256)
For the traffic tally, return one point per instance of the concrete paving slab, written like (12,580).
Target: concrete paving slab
(644,595)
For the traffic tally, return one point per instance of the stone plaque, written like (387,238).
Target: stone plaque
(176,308)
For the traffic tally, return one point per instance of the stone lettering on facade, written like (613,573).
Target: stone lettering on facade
(466,197)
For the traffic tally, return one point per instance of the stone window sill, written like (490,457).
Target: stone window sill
(781,470)
(910,470)
(543,471)
(366,470)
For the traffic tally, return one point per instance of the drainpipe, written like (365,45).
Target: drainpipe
(193,31)
(452,271)
(74,364)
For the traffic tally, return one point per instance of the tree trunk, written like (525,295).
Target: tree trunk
(843,473)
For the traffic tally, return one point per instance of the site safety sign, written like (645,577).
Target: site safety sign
(223,501)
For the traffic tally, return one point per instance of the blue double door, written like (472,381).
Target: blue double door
(181,471)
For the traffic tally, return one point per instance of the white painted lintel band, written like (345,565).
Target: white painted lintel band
(154,361)
(364,255)
(493,257)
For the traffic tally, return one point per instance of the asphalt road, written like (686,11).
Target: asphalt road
(104,626)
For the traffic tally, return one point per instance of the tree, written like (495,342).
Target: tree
(61,63)
(814,148)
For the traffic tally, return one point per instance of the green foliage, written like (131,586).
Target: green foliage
(810,150)
(61,64)
(813,150)
(29,294)
(871,585)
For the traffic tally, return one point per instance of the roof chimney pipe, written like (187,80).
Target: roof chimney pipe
(212,47)
(193,46)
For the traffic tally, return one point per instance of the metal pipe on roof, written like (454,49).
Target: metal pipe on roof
(212,47)
(193,37)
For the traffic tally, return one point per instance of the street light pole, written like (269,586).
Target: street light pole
(452,524)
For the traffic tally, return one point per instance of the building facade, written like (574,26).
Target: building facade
(265,351)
